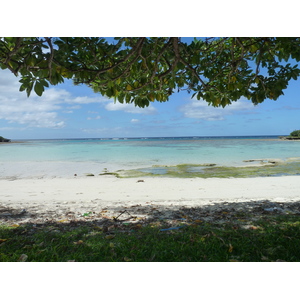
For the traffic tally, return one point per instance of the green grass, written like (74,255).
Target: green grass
(272,238)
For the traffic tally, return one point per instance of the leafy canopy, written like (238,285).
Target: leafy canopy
(140,70)
(295,133)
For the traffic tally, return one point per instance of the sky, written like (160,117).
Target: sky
(69,111)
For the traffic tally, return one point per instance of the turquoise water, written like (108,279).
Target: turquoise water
(115,154)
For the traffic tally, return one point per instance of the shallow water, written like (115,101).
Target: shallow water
(62,157)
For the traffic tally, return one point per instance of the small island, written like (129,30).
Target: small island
(4,140)
(294,135)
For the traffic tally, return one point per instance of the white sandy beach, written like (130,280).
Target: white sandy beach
(56,197)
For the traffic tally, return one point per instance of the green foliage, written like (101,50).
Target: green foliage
(295,133)
(143,70)
(2,139)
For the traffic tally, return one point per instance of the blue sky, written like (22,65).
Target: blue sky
(68,111)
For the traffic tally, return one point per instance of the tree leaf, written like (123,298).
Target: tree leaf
(38,88)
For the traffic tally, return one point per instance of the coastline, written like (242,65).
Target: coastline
(63,199)
(62,181)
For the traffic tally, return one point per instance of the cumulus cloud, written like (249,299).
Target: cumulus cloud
(16,107)
(198,109)
(45,111)
(130,108)
(32,112)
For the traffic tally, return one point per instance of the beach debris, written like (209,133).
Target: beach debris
(22,212)
(63,221)
(273,209)
(140,180)
(10,213)
(86,214)
(78,242)
(127,259)
(280,260)
(125,211)
(242,214)
(75,174)
(6,214)
(89,174)
(23,257)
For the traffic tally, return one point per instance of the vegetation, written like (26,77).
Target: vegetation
(2,139)
(140,70)
(272,238)
(295,133)
(261,168)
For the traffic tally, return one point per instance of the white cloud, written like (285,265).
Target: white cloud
(32,112)
(130,108)
(95,118)
(37,119)
(10,128)
(134,120)
(104,131)
(35,111)
(198,109)
(83,100)
(16,107)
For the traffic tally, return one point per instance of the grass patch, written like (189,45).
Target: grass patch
(272,238)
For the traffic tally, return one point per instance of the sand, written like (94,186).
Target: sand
(52,199)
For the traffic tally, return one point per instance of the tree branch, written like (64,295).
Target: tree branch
(50,58)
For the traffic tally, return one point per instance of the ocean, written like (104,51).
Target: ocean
(66,157)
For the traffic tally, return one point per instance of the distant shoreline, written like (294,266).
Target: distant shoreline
(290,138)
(268,137)
(13,142)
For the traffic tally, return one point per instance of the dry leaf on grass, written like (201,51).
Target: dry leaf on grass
(23,257)
(78,242)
